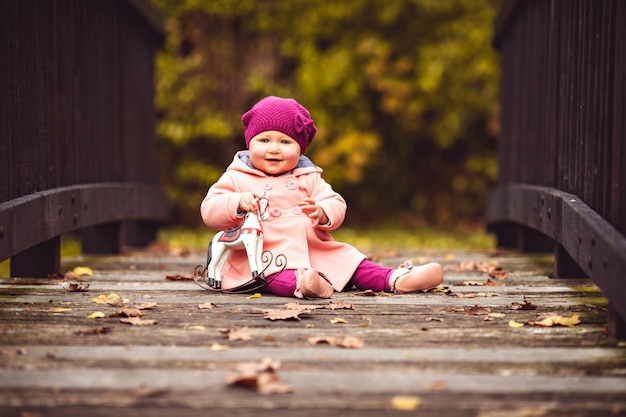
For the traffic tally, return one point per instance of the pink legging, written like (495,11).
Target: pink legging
(367,276)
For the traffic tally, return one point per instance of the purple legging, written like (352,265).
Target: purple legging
(367,276)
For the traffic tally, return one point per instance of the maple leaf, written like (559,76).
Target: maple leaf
(259,376)
(239,334)
(341,305)
(137,321)
(301,307)
(282,314)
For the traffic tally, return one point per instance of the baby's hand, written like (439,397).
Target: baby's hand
(313,211)
(248,202)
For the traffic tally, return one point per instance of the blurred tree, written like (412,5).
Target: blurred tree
(404,94)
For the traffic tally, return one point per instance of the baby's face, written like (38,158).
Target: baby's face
(274,152)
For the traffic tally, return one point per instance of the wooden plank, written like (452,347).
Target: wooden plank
(421,345)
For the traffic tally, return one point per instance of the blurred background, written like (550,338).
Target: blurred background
(403,92)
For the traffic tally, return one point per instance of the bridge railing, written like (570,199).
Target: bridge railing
(77,128)
(562,152)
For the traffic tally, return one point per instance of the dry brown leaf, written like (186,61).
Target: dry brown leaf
(498,273)
(477,310)
(206,306)
(491,283)
(239,334)
(338,321)
(526,306)
(472,283)
(146,306)
(137,321)
(178,278)
(259,376)
(128,312)
(302,307)
(348,342)
(97,331)
(341,305)
(282,314)
(466,295)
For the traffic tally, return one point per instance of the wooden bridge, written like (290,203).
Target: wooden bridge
(509,333)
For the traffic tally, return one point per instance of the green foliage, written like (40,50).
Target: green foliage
(404,94)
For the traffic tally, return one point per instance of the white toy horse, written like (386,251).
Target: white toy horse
(248,236)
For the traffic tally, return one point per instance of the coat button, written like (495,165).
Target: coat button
(292,185)
(296,210)
(275,212)
(267,186)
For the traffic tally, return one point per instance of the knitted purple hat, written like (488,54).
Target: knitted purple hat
(285,115)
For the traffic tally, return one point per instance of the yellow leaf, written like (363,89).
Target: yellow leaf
(557,320)
(82,270)
(513,323)
(338,321)
(217,346)
(405,402)
(96,315)
(195,328)
(496,315)
(255,295)
(59,310)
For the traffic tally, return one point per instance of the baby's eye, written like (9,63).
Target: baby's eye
(264,140)
(285,142)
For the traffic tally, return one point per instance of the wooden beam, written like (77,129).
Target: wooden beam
(591,242)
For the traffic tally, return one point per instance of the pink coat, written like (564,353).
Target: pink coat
(288,231)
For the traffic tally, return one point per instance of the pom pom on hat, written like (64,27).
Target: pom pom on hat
(284,115)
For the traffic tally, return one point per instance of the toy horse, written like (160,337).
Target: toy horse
(248,236)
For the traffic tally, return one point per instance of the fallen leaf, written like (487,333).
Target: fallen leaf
(60,310)
(305,307)
(557,320)
(198,327)
(434,319)
(467,295)
(128,312)
(526,306)
(82,270)
(217,346)
(145,306)
(96,315)
(282,314)
(239,334)
(178,278)
(436,385)
(255,295)
(137,321)
(97,331)
(341,305)
(472,283)
(338,321)
(496,315)
(498,273)
(477,310)
(344,342)
(206,306)
(259,376)
(405,402)
(513,323)
(111,299)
